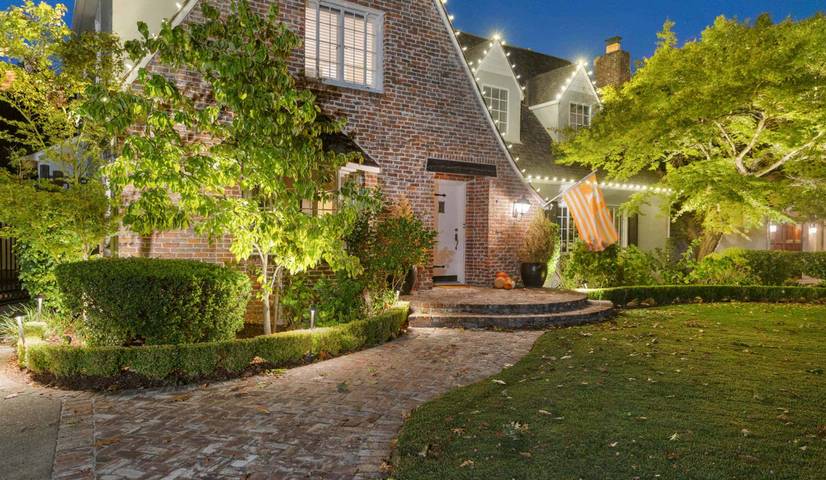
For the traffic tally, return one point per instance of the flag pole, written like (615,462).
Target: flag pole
(563,192)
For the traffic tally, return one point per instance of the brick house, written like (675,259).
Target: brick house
(395,70)
(459,125)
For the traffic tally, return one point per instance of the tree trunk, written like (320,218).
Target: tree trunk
(277,301)
(708,244)
(265,296)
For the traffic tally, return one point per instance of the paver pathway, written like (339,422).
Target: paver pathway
(331,420)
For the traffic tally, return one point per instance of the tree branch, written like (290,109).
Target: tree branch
(727,137)
(788,156)
(738,161)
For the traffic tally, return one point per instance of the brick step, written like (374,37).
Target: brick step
(592,311)
(446,309)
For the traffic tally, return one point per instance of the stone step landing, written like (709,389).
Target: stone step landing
(484,308)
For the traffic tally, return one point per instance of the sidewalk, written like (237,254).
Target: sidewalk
(29,421)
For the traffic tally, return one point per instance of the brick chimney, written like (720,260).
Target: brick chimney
(613,68)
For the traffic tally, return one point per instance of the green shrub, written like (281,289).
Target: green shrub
(188,362)
(757,267)
(637,267)
(150,301)
(612,267)
(337,299)
(671,294)
(584,268)
(723,269)
(813,264)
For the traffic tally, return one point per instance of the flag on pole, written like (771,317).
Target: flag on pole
(593,220)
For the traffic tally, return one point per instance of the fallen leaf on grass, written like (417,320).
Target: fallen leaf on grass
(674,437)
(466,463)
(500,382)
(545,412)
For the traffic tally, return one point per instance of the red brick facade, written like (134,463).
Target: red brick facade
(429,109)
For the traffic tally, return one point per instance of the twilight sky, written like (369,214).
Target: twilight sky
(577,28)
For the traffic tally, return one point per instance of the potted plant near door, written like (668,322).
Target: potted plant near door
(537,250)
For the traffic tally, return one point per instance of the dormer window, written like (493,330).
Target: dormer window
(343,44)
(497,101)
(580,116)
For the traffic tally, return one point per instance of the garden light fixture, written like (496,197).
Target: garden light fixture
(521,207)
(313,313)
(40,308)
(21,334)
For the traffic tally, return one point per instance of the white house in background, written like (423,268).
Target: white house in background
(534,98)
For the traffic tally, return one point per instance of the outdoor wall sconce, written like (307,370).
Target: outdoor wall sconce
(773,228)
(521,207)
(813,230)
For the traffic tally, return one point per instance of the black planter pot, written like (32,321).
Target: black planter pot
(534,274)
(409,281)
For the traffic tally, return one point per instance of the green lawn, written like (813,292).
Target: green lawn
(721,391)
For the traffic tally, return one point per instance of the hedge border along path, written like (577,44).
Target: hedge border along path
(629,297)
(105,367)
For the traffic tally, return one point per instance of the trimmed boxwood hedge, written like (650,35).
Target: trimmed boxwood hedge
(672,294)
(150,301)
(155,364)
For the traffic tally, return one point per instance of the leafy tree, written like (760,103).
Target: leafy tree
(43,77)
(236,155)
(52,225)
(734,122)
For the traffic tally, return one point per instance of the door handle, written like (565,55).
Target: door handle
(456,238)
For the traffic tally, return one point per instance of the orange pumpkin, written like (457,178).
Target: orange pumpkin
(502,275)
(500,282)
(509,285)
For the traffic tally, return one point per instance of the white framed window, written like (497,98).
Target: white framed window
(568,233)
(580,116)
(497,101)
(343,44)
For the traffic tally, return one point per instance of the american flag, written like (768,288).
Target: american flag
(591,215)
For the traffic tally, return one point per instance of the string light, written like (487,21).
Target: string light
(581,64)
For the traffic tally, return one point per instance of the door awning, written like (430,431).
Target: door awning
(341,143)
(460,168)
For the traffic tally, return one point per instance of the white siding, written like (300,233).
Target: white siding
(653,226)
(126,13)
(495,71)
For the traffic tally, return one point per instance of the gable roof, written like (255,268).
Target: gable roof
(546,86)
(534,153)
(527,63)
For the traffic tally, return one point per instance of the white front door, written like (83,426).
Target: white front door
(449,257)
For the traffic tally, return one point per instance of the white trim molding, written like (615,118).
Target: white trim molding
(480,99)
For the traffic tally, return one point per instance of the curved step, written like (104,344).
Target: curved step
(496,302)
(501,309)
(593,311)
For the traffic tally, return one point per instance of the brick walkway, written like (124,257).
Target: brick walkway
(331,420)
